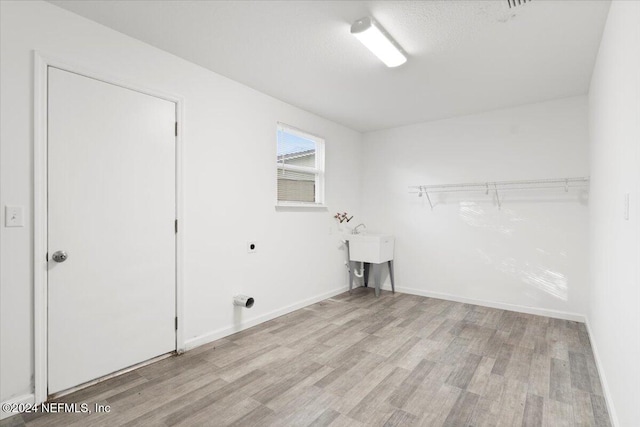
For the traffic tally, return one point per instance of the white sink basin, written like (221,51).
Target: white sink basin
(373,248)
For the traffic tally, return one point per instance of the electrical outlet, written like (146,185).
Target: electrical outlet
(252,247)
(13,216)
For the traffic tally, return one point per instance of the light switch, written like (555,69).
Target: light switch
(626,206)
(13,216)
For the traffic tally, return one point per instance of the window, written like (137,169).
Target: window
(300,168)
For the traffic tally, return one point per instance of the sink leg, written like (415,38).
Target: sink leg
(351,267)
(367,266)
(376,277)
(393,287)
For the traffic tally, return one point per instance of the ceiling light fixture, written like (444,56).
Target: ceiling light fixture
(378,41)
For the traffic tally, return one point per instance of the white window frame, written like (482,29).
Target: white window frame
(319,169)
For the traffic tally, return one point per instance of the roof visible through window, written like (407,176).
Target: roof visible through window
(290,144)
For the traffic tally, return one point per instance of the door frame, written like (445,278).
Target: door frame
(42,62)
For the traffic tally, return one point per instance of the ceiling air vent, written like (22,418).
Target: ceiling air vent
(514,3)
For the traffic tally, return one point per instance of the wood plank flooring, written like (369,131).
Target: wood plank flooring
(357,360)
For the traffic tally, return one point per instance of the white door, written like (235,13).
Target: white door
(111,192)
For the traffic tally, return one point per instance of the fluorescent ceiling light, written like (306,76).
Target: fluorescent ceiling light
(376,39)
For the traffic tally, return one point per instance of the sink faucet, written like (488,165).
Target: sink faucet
(355,230)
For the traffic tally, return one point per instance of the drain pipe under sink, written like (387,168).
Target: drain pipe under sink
(346,263)
(355,271)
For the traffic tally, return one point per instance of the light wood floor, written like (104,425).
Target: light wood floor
(357,360)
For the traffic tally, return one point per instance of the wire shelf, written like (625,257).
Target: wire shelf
(498,186)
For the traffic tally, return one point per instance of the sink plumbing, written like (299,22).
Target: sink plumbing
(356,228)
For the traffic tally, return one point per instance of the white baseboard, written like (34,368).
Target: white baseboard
(224,332)
(25,399)
(503,306)
(613,417)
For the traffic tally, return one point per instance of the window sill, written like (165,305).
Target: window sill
(299,206)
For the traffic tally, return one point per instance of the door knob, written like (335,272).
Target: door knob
(60,256)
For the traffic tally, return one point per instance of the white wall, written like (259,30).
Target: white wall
(531,253)
(614,121)
(297,259)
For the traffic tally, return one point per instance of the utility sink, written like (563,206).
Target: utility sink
(371,248)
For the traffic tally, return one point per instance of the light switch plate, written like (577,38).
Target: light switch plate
(13,216)
(626,206)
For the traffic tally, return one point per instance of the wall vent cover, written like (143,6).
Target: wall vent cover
(514,3)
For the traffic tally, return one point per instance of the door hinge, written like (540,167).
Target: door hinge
(176,128)
(46,257)
(176,226)
(176,323)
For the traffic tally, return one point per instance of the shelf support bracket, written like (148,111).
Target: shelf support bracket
(429,199)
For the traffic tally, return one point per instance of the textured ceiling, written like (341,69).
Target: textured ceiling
(464,56)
